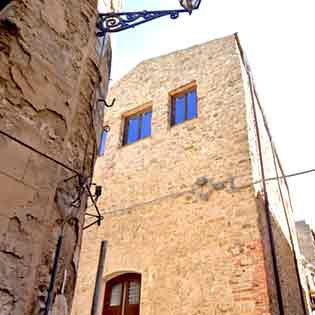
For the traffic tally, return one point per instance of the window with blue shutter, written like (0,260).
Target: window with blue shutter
(137,126)
(184,106)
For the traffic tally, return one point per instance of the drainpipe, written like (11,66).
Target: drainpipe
(99,275)
(50,294)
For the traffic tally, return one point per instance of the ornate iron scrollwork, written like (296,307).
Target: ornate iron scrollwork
(116,22)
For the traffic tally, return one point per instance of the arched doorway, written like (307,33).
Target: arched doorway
(122,295)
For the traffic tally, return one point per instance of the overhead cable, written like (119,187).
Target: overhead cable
(39,152)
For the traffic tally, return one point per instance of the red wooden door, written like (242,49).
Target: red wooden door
(122,295)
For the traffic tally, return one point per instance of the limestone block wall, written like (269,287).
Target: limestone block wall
(194,256)
(198,246)
(172,158)
(180,206)
(48,73)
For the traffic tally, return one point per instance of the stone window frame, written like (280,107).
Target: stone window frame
(148,106)
(183,90)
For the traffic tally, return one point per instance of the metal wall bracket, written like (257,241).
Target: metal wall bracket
(117,22)
(103,101)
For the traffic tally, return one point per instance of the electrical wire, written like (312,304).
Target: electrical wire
(39,152)
(308,171)
(77,174)
(312,170)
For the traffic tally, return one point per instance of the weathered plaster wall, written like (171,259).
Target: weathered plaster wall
(48,74)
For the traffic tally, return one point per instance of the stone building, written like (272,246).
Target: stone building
(50,128)
(307,245)
(306,241)
(183,202)
(114,5)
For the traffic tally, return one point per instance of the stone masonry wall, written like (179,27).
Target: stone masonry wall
(48,73)
(179,206)
(194,256)
(173,203)
(172,158)
(306,241)
(114,5)
(290,291)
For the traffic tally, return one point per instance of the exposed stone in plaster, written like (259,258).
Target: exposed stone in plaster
(6,302)
(201,181)
(60,306)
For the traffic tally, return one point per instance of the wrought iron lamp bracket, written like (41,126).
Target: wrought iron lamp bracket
(117,22)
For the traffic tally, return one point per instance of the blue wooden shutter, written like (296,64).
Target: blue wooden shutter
(179,109)
(101,149)
(146,125)
(133,129)
(191,104)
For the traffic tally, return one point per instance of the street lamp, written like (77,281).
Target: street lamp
(117,22)
(190,5)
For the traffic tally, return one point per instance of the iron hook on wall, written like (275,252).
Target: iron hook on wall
(101,100)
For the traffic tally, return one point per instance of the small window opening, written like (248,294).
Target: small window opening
(137,126)
(184,106)
(122,295)
(102,146)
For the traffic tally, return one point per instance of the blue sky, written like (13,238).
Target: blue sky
(278,37)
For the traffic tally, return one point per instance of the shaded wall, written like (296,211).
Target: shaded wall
(287,254)
(48,73)
(286,268)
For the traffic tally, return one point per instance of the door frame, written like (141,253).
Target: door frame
(107,278)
